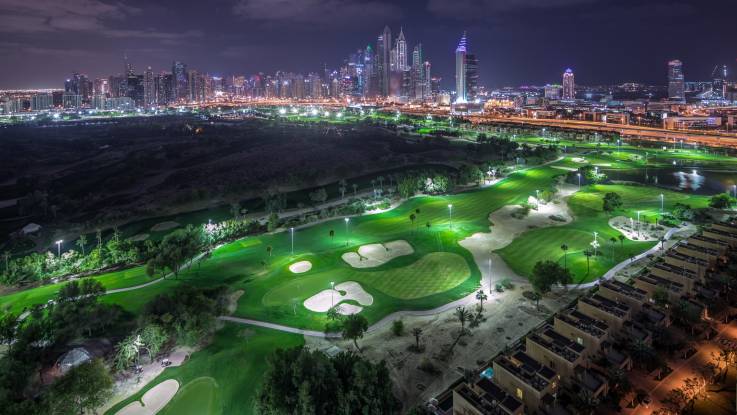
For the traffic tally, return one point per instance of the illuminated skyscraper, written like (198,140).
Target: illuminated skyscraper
(472,77)
(569,85)
(676,82)
(181,88)
(383,60)
(461,94)
(149,89)
(719,81)
(418,69)
(401,51)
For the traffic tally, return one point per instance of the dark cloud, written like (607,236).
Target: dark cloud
(480,9)
(323,12)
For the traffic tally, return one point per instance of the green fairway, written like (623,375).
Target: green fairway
(589,217)
(222,378)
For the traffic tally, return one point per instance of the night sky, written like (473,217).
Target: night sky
(517,42)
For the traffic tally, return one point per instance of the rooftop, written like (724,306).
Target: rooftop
(611,307)
(555,342)
(581,321)
(527,370)
(625,289)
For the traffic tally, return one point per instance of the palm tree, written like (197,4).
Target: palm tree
(417,332)
(98,235)
(412,218)
(417,211)
(621,240)
(463,316)
(81,242)
(588,254)
(613,240)
(564,248)
(481,297)
(332,234)
(427,225)
(640,351)
(662,242)
(381,182)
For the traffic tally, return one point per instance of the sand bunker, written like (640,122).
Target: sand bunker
(300,267)
(629,228)
(322,301)
(154,400)
(348,309)
(578,160)
(373,255)
(164,226)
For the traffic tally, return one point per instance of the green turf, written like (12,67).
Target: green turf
(589,217)
(234,361)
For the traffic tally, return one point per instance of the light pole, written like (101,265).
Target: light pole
(58,247)
(450,215)
(734,187)
(579,180)
(489,275)
(291,231)
(638,224)
(346,230)
(662,204)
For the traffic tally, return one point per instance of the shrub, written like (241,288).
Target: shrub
(398,327)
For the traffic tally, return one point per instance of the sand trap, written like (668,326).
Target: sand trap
(140,237)
(322,301)
(348,309)
(578,160)
(164,226)
(300,267)
(154,400)
(373,255)
(628,227)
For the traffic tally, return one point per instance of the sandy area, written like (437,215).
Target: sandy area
(140,237)
(154,400)
(629,228)
(300,267)
(324,300)
(164,226)
(578,160)
(373,255)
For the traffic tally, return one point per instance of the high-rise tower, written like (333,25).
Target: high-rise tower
(383,52)
(676,82)
(472,77)
(569,85)
(401,51)
(461,70)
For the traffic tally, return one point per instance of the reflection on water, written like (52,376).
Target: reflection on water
(689,181)
(698,181)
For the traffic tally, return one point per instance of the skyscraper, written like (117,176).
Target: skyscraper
(676,82)
(461,70)
(401,51)
(472,77)
(719,81)
(383,69)
(569,85)
(149,89)
(181,88)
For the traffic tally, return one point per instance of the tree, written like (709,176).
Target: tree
(547,273)
(588,255)
(153,338)
(621,240)
(355,188)
(428,225)
(619,383)
(269,250)
(81,242)
(613,241)
(6,257)
(481,297)
(641,352)
(319,196)
(332,234)
(407,187)
(721,201)
(8,325)
(83,389)
(354,327)
(126,353)
(417,333)
(398,327)
(178,247)
(564,248)
(586,402)
(675,401)
(463,317)
(536,297)
(611,202)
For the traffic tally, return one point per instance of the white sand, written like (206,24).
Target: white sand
(154,400)
(373,255)
(578,160)
(322,301)
(140,237)
(164,226)
(300,267)
(628,228)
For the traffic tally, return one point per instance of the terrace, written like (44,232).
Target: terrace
(681,275)
(679,260)
(651,283)
(709,255)
(729,227)
(526,370)
(655,316)
(591,381)
(710,243)
(727,236)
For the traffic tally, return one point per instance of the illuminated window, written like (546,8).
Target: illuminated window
(579,340)
(519,393)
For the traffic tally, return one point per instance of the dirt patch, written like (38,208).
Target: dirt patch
(373,255)
(300,267)
(233,301)
(164,226)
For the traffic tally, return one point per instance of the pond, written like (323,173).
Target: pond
(701,181)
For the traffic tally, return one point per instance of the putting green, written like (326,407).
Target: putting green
(198,397)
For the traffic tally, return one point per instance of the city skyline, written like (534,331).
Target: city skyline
(221,40)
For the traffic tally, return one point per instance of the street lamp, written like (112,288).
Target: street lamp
(734,187)
(450,215)
(579,180)
(662,203)
(489,275)
(58,247)
(346,220)
(332,293)
(291,231)
(638,223)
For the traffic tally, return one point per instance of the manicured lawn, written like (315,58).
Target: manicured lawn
(586,206)
(224,377)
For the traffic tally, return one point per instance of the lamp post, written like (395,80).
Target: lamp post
(332,293)
(638,223)
(662,203)
(58,247)
(579,180)
(489,275)
(734,187)
(291,231)
(450,215)
(346,230)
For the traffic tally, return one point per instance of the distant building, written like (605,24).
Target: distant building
(461,95)
(676,83)
(42,102)
(554,92)
(569,85)
(149,88)
(383,60)
(472,77)
(181,85)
